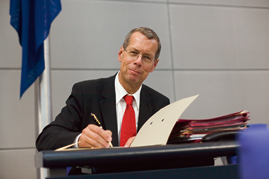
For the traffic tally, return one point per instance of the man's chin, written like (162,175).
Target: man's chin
(134,79)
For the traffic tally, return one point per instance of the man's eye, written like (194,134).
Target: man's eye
(133,53)
(146,59)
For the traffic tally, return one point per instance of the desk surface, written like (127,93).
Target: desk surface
(135,155)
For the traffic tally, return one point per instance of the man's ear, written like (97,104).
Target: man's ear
(154,65)
(120,54)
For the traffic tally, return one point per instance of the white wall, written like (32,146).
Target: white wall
(218,49)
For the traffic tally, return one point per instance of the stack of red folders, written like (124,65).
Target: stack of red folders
(193,130)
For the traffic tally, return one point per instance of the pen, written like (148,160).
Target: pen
(97,121)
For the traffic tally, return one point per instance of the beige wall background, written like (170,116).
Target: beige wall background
(215,48)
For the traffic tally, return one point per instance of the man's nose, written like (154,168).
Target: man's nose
(138,59)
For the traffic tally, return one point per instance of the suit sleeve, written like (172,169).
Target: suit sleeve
(67,124)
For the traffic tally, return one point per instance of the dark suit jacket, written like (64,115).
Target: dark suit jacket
(98,97)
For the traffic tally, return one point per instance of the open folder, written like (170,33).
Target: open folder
(158,127)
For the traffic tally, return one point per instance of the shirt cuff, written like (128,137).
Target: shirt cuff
(76,141)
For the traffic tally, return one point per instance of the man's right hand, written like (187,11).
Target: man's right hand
(94,136)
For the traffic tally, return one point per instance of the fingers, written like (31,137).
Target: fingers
(129,141)
(94,136)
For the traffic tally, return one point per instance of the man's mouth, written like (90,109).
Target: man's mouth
(134,71)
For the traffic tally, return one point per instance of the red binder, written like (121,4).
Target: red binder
(193,130)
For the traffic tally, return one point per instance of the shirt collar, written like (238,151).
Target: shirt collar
(121,92)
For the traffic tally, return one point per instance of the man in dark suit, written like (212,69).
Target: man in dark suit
(104,97)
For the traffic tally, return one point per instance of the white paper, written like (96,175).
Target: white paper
(157,129)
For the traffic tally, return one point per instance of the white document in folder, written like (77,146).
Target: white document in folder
(157,129)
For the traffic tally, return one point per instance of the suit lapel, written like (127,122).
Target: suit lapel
(108,108)
(145,109)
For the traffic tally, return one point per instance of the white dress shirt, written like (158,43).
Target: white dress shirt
(121,105)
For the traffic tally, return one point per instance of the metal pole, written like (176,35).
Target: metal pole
(43,101)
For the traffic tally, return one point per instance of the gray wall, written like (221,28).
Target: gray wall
(215,48)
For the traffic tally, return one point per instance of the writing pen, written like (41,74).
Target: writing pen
(97,121)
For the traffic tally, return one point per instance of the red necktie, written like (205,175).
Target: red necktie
(128,126)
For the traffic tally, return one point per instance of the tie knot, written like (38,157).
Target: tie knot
(128,99)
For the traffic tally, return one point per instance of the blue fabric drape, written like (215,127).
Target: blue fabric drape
(32,20)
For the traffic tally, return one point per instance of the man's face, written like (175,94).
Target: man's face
(137,60)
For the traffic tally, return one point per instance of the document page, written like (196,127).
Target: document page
(157,129)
